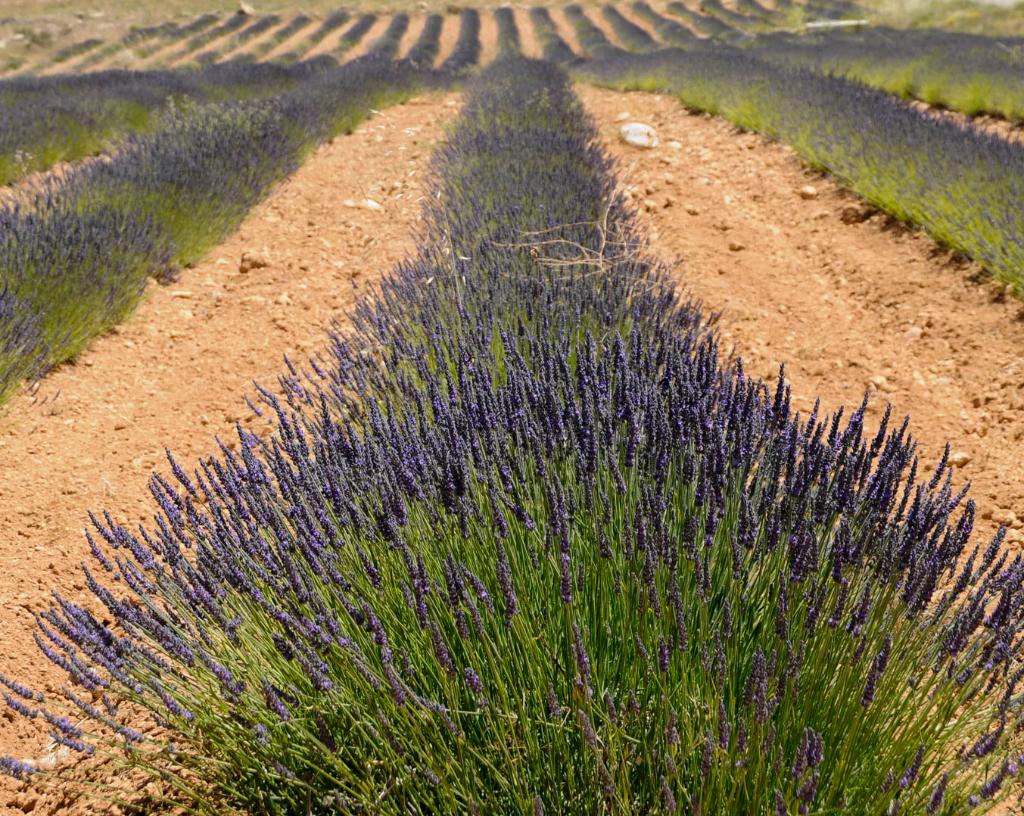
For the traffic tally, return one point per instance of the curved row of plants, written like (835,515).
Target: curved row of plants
(984,76)
(522,542)
(961,185)
(75,255)
(67,117)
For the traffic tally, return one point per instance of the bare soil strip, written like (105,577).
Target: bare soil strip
(176,372)
(849,307)
(488,36)
(449,38)
(531,46)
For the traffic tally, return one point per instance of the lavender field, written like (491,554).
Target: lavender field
(531,527)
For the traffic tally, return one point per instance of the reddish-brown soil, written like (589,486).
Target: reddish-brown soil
(449,38)
(528,41)
(176,372)
(848,307)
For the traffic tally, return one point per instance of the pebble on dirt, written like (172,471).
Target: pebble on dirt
(736,246)
(250,261)
(808,193)
(639,135)
(855,214)
(959,458)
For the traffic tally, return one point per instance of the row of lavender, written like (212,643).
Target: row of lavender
(522,542)
(76,252)
(962,185)
(984,77)
(66,117)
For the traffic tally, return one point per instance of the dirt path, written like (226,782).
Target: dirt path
(175,374)
(848,307)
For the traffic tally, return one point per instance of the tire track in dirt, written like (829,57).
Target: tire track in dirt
(176,372)
(848,307)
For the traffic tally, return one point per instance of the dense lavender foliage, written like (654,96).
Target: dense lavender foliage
(68,116)
(77,252)
(23,351)
(508,33)
(522,543)
(968,73)
(963,186)
(555,49)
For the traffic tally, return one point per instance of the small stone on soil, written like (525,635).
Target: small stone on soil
(250,261)
(808,193)
(638,134)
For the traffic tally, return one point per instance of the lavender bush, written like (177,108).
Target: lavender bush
(508,33)
(523,543)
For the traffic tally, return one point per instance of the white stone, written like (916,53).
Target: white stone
(639,135)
